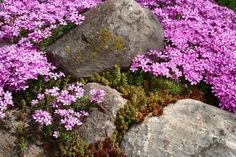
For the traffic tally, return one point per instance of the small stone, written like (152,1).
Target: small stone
(7,144)
(100,124)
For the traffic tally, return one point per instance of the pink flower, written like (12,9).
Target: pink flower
(97,95)
(42,117)
(56,134)
(34,102)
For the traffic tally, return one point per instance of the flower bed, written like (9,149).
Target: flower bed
(200,46)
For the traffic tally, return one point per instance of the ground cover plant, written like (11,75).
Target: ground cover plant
(199,58)
(23,26)
(200,46)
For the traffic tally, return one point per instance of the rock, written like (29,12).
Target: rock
(10,123)
(187,128)
(7,144)
(113,33)
(100,124)
(9,140)
(34,151)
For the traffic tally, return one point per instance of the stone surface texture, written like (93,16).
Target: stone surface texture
(113,33)
(9,139)
(188,128)
(7,144)
(100,124)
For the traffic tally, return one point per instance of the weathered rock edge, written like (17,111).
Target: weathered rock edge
(187,128)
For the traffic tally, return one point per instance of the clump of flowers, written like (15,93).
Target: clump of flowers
(64,108)
(5,102)
(200,46)
(42,117)
(35,19)
(97,95)
(26,23)
(20,64)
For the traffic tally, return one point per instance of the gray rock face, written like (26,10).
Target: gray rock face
(113,33)
(100,124)
(35,151)
(9,139)
(188,128)
(7,144)
(8,147)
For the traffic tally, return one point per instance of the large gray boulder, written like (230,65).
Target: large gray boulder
(188,128)
(100,124)
(113,33)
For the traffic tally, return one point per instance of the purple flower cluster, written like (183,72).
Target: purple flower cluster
(42,117)
(97,95)
(19,64)
(200,37)
(5,102)
(61,104)
(70,118)
(39,18)
(26,23)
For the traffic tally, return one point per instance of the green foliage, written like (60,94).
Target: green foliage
(228,3)
(21,139)
(37,86)
(121,80)
(79,148)
(57,33)
(75,148)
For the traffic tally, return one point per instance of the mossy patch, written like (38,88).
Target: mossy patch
(103,42)
(67,49)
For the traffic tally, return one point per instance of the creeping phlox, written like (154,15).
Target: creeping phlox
(5,102)
(200,45)
(23,25)
(58,107)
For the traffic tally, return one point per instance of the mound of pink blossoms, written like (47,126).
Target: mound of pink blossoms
(26,23)
(29,22)
(200,37)
(19,64)
(37,18)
